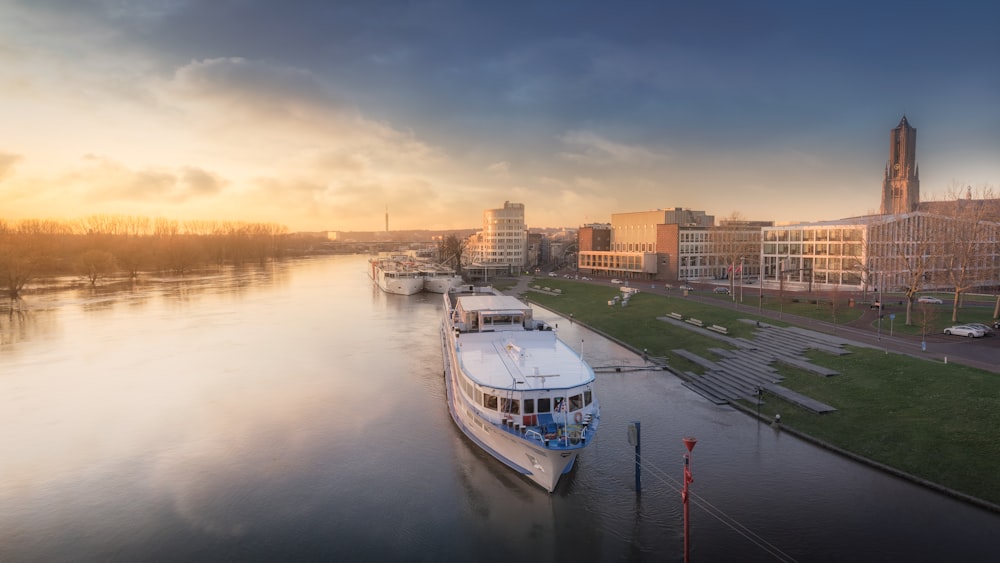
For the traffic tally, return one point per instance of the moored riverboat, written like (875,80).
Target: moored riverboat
(514,388)
(394,275)
(439,278)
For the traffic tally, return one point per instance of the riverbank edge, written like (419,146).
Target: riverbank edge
(958,495)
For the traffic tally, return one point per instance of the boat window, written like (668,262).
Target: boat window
(510,406)
(588,397)
(560,405)
(544,405)
(529,406)
(490,401)
(575,403)
(479,397)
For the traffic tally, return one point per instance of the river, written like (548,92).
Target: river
(296,412)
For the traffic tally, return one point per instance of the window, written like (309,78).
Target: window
(588,397)
(490,401)
(575,403)
(511,406)
(529,406)
(544,405)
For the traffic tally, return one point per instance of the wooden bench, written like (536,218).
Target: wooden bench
(719,329)
(695,322)
(677,316)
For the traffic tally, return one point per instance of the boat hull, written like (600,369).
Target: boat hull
(442,284)
(540,465)
(395,282)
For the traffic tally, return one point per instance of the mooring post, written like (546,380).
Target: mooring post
(635,439)
(688,479)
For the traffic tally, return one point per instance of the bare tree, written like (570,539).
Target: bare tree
(95,265)
(905,251)
(26,249)
(450,251)
(968,241)
(735,241)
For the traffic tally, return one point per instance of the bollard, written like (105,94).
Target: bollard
(635,439)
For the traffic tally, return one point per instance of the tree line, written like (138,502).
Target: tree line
(101,246)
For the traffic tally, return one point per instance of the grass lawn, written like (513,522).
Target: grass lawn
(937,421)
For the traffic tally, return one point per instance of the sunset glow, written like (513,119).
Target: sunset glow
(321,115)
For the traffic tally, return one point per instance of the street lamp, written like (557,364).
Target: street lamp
(881,288)
(760,283)
(741,279)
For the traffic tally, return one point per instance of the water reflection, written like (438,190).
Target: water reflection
(298,413)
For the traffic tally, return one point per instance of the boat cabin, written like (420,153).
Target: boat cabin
(491,313)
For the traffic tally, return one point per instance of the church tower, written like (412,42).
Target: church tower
(901,184)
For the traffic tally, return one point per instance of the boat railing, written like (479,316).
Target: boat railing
(565,436)
(534,435)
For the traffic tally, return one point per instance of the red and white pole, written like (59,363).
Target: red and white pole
(688,479)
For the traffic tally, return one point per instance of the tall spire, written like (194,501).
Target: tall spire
(901,183)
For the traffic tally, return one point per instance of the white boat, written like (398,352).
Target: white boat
(395,276)
(439,278)
(515,388)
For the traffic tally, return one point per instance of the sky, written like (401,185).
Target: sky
(323,114)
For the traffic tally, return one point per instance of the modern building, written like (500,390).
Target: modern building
(670,244)
(503,242)
(595,236)
(911,246)
(916,250)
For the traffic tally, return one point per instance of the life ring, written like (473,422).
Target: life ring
(578,417)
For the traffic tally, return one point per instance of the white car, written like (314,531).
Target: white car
(929,299)
(987,330)
(965,330)
(687,287)
(616,280)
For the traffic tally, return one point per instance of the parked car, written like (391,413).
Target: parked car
(987,330)
(721,290)
(616,280)
(929,299)
(965,330)
(687,287)
(553,275)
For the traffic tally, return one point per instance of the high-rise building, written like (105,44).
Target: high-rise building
(504,238)
(901,182)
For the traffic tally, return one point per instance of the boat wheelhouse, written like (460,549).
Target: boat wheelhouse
(514,387)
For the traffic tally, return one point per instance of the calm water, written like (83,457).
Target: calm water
(296,413)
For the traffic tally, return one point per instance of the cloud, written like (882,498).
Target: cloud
(105,180)
(501,168)
(197,182)
(7,163)
(249,87)
(592,148)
